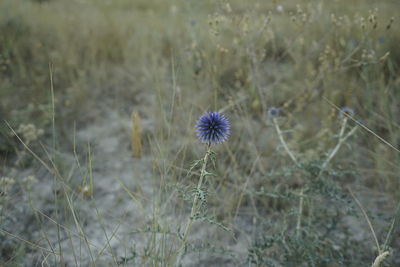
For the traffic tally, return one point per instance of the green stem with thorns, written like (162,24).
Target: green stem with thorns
(194,206)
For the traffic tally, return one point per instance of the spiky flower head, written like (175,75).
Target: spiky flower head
(212,128)
(273,112)
(346,111)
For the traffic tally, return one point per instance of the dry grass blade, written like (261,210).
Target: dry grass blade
(367,219)
(27,242)
(362,125)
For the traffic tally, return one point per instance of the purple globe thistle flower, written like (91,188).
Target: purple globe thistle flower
(273,112)
(346,111)
(212,128)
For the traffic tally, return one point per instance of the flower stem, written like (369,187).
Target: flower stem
(285,146)
(381,257)
(342,139)
(291,155)
(194,206)
(298,224)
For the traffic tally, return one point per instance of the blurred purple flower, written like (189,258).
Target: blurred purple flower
(273,112)
(346,111)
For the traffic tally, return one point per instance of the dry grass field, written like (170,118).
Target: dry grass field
(100,164)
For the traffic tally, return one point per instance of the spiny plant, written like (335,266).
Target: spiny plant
(212,128)
(314,238)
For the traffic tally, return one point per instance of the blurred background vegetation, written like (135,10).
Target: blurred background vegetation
(173,60)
